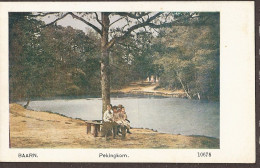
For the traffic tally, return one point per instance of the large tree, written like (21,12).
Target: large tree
(114,27)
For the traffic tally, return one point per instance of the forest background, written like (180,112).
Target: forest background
(48,61)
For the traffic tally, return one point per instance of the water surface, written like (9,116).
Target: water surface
(167,115)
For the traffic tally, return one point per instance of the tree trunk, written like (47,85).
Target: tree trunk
(198,95)
(105,70)
(27,104)
(189,97)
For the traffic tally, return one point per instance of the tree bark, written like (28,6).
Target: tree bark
(105,70)
(27,104)
(189,97)
(198,95)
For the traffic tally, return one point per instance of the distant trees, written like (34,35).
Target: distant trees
(49,60)
(29,65)
(132,59)
(106,25)
(76,58)
(190,58)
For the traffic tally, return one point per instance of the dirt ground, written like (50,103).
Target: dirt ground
(33,129)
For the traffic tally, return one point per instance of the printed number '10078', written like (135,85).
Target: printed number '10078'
(204,154)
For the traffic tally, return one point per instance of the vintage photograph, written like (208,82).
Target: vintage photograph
(127,82)
(143,80)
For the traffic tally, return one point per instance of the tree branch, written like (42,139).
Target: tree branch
(117,20)
(42,14)
(187,92)
(155,30)
(98,19)
(74,17)
(56,20)
(133,15)
(86,22)
(112,42)
(173,23)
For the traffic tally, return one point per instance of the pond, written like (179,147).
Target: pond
(166,115)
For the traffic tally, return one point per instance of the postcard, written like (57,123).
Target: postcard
(160,82)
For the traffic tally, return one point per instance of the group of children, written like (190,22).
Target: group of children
(115,120)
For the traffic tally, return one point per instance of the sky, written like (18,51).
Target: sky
(68,21)
(77,24)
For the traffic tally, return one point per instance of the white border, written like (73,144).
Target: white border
(237,93)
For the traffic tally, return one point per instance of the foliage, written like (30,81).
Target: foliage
(191,59)
(50,60)
(131,60)
(27,72)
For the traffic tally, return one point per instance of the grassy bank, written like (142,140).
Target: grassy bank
(31,129)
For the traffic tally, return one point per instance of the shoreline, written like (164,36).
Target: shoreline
(148,88)
(176,95)
(151,129)
(38,129)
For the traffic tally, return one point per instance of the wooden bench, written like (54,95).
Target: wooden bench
(94,127)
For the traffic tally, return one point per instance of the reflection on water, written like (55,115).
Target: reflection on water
(168,115)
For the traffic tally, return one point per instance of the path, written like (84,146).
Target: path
(149,88)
